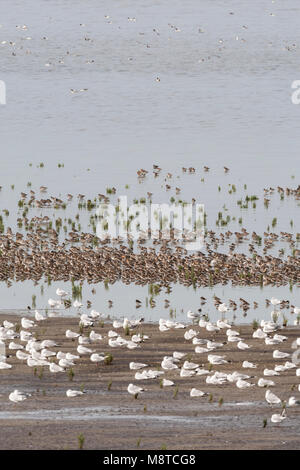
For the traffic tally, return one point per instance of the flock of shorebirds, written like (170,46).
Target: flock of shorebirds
(36,251)
(46,353)
(39,253)
(58,249)
(37,257)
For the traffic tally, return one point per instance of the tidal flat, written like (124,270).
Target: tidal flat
(226,417)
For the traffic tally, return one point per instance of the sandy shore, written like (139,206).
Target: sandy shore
(109,418)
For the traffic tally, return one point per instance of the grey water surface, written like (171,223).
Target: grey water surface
(181,83)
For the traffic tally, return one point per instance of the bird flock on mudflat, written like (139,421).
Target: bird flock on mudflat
(33,353)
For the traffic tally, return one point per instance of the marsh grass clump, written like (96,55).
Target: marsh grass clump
(154,289)
(109,385)
(81,440)
(255,324)
(109,191)
(76,291)
(71,374)
(265,422)
(108,359)
(175,393)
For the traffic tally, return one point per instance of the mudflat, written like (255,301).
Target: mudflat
(106,416)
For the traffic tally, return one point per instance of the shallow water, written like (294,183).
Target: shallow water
(16,298)
(224,98)
(106,413)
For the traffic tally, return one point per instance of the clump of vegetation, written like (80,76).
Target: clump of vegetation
(108,359)
(81,440)
(71,374)
(76,291)
(127,330)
